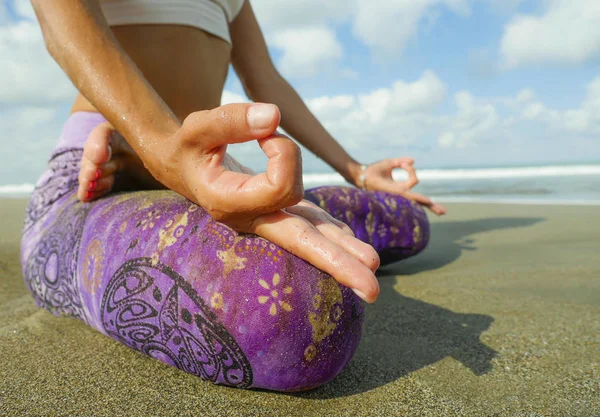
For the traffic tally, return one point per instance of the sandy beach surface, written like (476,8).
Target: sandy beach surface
(499,316)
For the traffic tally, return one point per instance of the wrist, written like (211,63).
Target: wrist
(158,152)
(354,173)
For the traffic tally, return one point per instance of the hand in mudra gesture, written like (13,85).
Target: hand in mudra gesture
(378,177)
(268,204)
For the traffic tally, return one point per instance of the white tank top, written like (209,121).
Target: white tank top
(212,16)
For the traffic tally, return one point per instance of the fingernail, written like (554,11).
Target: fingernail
(98,173)
(93,185)
(360,294)
(88,195)
(260,116)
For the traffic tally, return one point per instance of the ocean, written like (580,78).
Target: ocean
(552,184)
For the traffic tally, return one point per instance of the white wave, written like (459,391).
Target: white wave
(472,174)
(314,179)
(16,189)
(520,201)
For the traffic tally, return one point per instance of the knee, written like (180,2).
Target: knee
(309,342)
(396,227)
(404,226)
(297,327)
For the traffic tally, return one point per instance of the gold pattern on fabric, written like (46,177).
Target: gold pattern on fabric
(274,295)
(349,216)
(151,218)
(323,317)
(346,196)
(216,301)
(370,222)
(310,352)
(417,232)
(391,203)
(231,261)
(92,266)
(173,230)
(122,198)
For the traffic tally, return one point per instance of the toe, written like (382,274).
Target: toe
(88,171)
(102,184)
(93,178)
(97,146)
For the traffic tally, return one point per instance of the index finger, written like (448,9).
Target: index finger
(301,238)
(407,165)
(233,193)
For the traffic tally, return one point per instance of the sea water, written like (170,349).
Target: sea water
(556,184)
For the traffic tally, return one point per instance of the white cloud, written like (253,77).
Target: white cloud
(525,95)
(24,9)
(388,25)
(28,72)
(567,33)
(585,119)
(473,121)
(29,134)
(304,31)
(395,115)
(229,97)
(305,34)
(280,15)
(582,120)
(421,95)
(306,50)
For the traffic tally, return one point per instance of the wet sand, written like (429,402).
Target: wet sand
(499,316)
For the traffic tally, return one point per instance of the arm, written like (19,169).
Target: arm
(79,39)
(190,157)
(262,82)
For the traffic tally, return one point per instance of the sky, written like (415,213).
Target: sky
(452,83)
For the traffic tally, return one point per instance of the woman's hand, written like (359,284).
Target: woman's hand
(269,204)
(378,177)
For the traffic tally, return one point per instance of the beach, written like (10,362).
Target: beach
(500,315)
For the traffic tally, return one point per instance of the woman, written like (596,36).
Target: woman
(219,286)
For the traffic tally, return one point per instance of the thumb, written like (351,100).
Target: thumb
(232,123)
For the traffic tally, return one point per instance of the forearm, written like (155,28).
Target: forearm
(301,124)
(79,39)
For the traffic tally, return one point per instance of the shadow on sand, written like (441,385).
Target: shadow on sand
(403,334)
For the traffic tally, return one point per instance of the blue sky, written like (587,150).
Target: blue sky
(450,82)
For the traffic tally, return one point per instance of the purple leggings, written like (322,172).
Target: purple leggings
(155,272)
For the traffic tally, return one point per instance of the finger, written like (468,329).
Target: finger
(302,239)
(407,165)
(392,187)
(426,201)
(402,160)
(232,123)
(360,250)
(419,198)
(437,209)
(328,216)
(281,186)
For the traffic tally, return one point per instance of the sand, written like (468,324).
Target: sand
(499,316)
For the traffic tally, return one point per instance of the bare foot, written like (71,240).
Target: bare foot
(105,154)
